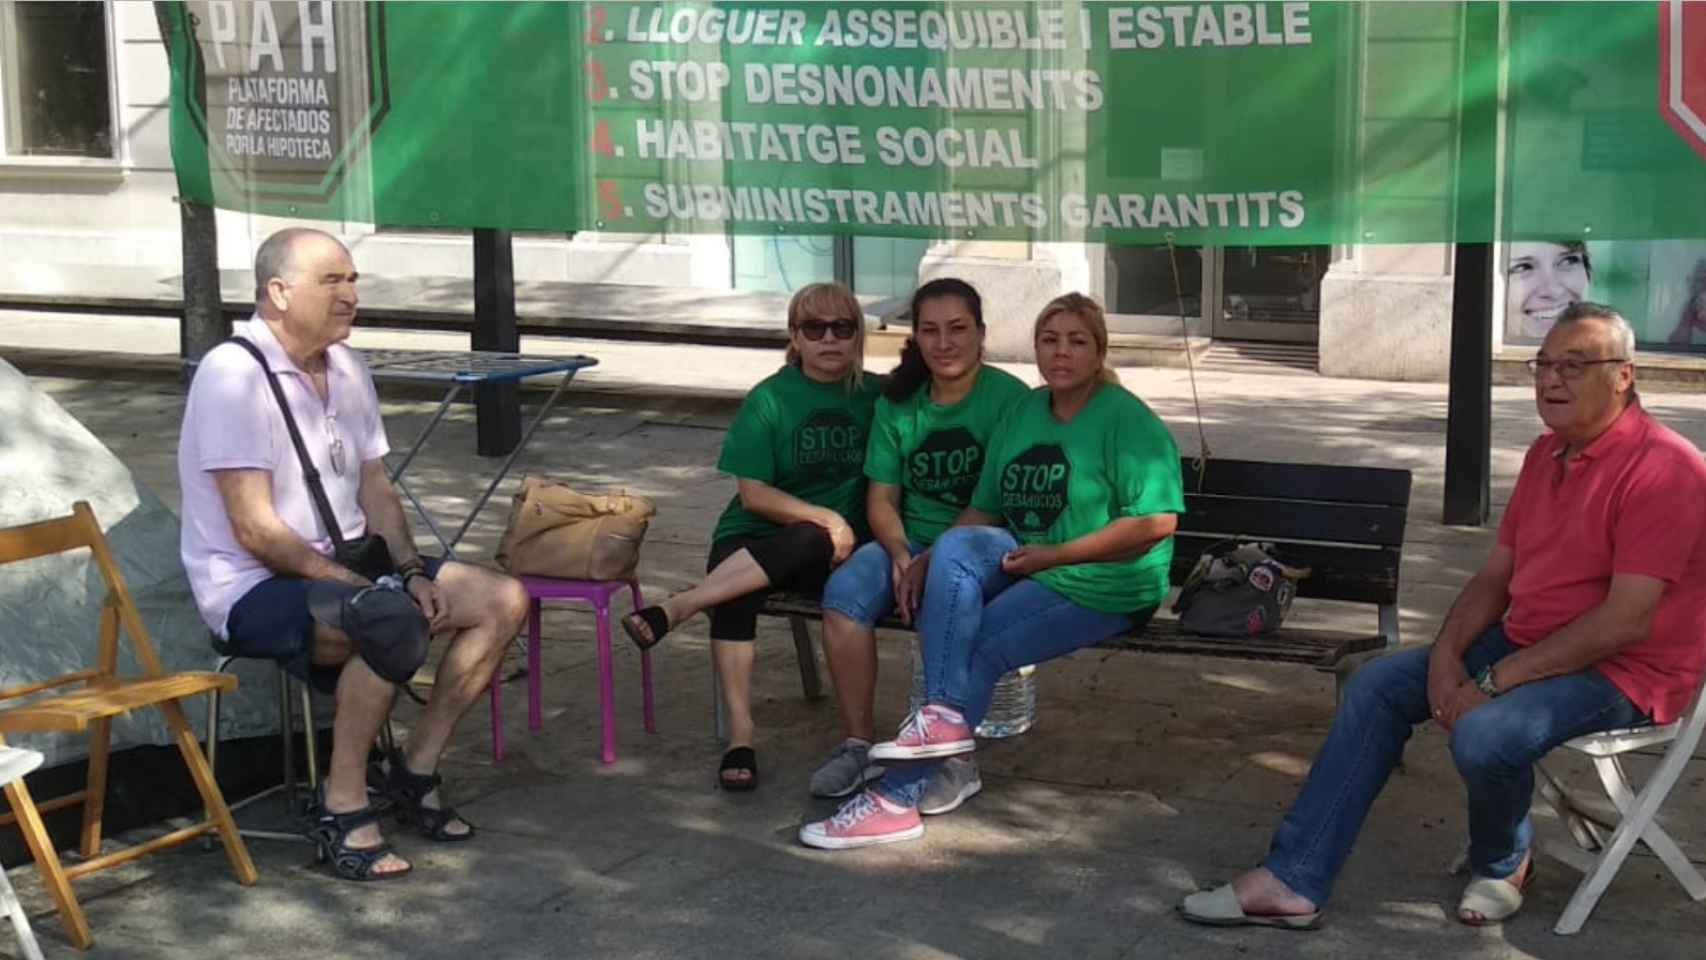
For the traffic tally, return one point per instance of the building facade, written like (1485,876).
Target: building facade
(87,194)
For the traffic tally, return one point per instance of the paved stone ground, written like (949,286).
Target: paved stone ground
(1144,778)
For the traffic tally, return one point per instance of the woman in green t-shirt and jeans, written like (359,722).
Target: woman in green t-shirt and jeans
(928,438)
(796,449)
(1086,480)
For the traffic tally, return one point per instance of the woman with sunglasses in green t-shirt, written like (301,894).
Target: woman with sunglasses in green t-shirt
(796,450)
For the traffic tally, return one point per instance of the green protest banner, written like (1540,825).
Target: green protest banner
(1227,123)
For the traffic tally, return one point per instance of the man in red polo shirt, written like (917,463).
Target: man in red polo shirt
(1589,615)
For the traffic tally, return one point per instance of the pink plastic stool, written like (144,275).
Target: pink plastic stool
(597,593)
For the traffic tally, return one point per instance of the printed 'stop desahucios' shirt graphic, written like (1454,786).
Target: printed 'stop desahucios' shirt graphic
(804,438)
(1054,482)
(936,453)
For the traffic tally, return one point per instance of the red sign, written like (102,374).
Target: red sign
(1682,70)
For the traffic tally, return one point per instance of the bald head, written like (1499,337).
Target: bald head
(281,256)
(1584,373)
(305,289)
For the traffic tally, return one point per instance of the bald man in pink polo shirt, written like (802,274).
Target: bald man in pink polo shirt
(1589,615)
(256,549)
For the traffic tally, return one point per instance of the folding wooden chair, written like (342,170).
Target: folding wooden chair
(103,695)
(1615,840)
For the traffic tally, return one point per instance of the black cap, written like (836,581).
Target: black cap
(384,623)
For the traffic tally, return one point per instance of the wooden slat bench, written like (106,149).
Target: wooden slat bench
(1345,523)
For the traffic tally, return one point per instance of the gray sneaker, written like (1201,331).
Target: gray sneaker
(847,770)
(953,783)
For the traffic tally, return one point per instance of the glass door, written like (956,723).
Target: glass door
(782,263)
(887,267)
(884,267)
(1146,288)
(1271,293)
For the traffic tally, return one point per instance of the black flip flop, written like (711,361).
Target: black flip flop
(652,617)
(739,758)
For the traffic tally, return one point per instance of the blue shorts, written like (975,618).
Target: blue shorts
(860,589)
(272,622)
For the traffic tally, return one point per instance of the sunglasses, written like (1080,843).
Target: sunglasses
(335,444)
(815,329)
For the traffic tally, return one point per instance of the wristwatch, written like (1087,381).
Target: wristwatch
(1484,682)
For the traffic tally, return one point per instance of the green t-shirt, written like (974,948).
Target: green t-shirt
(935,454)
(804,438)
(1055,482)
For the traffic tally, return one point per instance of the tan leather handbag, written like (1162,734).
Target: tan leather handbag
(556,531)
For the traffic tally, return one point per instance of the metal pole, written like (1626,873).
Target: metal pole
(515,451)
(497,406)
(1469,414)
(432,424)
(1469,424)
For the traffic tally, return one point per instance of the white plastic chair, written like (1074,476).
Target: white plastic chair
(1637,810)
(14,763)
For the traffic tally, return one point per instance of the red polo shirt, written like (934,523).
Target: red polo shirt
(1634,502)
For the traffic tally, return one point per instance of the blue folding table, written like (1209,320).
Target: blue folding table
(463,370)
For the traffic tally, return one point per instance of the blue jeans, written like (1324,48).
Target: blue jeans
(861,589)
(976,623)
(1494,746)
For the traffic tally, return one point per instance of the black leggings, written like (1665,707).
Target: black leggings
(795,557)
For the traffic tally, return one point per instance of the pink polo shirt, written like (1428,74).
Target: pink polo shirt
(1633,501)
(232,422)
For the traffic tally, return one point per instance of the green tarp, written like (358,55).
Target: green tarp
(1228,123)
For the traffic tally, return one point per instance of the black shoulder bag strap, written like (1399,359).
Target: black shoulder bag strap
(310,472)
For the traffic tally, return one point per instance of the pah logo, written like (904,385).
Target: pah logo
(1033,488)
(946,465)
(1682,70)
(285,94)
(829,444)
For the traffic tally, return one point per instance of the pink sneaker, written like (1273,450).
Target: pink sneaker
(863,821)
(934,731)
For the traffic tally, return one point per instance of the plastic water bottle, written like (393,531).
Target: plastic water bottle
(917,699)
(1012,710)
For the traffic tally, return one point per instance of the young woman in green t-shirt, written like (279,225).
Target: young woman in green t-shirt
(796,449)
(1086,481)
(926,451)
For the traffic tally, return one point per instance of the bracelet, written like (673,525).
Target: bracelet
(412,569)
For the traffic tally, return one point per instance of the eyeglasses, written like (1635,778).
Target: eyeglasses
(814,330)
(335,444)
(1569,369)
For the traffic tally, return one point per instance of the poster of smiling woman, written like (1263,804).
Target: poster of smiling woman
(1541,279)
(1660,285)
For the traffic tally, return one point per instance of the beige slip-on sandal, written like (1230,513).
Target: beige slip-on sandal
(1494,899)
(1219,908)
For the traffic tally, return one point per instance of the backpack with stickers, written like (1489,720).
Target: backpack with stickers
(1237,590)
